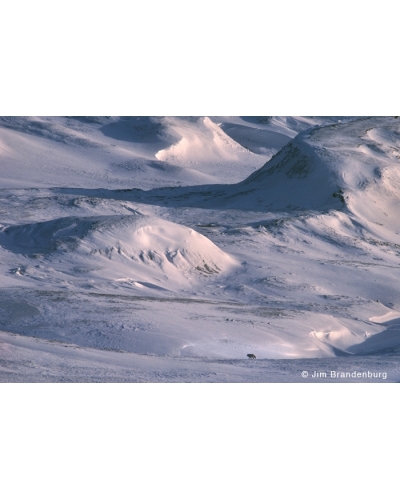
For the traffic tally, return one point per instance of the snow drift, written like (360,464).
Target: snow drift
(347,164)
(344,166)
(135,246)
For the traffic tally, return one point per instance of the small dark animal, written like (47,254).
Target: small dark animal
(251,356)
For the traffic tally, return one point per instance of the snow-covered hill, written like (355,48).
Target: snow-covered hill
(202,239)
(119,152)
(121,247)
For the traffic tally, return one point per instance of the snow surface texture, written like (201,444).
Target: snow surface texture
(167,249)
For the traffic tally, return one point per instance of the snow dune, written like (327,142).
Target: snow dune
(114,152)
(336,166)
(203,139)
(133,246)
(331,167)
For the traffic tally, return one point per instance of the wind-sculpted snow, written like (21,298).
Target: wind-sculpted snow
(134,246)
(202,239)
(340,166)
(204,139)
(120,152)
(353,163)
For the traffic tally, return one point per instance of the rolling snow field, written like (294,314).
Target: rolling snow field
(161,249)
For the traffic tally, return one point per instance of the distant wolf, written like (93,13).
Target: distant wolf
(251,356)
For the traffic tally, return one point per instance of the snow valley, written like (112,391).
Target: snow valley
(168,249)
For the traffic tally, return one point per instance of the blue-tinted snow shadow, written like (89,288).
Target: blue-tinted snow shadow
(206,196)
(139,130)
(257,140)
(387,340)
(257,120)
